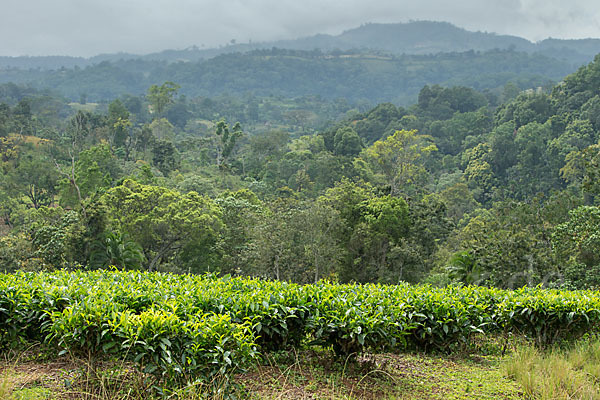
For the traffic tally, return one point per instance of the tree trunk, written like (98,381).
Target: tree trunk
(153,263)
(316,269)
(166,247)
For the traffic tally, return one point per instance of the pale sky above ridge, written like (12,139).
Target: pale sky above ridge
(91,27)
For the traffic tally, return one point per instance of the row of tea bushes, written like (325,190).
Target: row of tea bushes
(186,327)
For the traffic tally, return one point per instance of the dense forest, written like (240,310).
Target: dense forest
(462,186)
(355,76)
(371,64)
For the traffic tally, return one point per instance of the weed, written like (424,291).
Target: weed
(36,393)
(5,389)
(569,372)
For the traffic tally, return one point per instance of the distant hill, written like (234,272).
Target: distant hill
(419,37)
(352,75)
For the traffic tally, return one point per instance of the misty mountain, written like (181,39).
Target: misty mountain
(418,38)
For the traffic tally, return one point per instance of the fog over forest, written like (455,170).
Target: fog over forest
(86,28)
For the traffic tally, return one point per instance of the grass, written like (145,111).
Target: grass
(480,372)
(35,374)
(568,372)
(36,393)
(308,374)
(383,376)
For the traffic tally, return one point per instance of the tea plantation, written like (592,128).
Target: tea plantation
(188,328)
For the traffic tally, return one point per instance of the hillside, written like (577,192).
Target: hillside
(417,37)
(353,75)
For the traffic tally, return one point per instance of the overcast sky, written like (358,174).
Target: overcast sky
(91,27)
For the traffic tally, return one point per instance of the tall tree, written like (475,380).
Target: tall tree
(34,177)
(160,97)
(166,223)
(576,245)
(400,157)
(226,141)
(118,122)
(164,156)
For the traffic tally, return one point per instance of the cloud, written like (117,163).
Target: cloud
(89,27)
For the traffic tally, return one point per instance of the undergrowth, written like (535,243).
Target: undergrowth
(570,371)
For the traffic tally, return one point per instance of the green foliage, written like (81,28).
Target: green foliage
(241,211)
(400,157)
(166,223)
(578,88)
(386,215)
(462,267)
(164,156)
(95,171)
(115,249)
(352,75)
(346,142)
(441,103)
(286,239)
(377,123)
(450,134)
(459,200)
(548,316)
(204,350)
(227,140)
(578,135)
(576,246)
(527,108)
(510,246)
(591,168)
(160,97)
(33,177)
(185,329)
(531,173)
(57,236)
(380,195)
(118,122)
(386,239)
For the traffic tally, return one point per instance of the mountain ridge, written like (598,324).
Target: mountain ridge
(414,37)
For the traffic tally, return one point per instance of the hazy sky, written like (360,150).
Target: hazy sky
(90,27)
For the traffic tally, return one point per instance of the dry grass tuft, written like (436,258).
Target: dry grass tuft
(557,374)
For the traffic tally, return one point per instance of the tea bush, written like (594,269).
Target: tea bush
(188,329)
